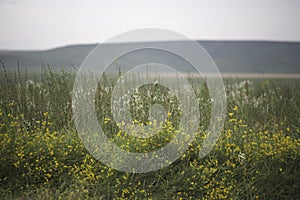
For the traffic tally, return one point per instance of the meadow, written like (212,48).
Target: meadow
(42,157)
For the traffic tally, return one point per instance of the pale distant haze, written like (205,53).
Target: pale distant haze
(36,24)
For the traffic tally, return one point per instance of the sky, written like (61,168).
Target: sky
(36,24)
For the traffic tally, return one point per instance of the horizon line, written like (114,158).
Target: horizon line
(147,41)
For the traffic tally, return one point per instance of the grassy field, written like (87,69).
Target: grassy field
(41,156)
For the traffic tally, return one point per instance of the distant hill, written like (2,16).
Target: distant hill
(230,56)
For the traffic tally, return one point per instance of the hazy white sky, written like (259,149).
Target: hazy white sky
(41,24)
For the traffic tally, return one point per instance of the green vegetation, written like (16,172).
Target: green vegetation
(42,157)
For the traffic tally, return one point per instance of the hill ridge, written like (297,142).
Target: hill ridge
(230,56)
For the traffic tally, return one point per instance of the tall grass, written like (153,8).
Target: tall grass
(41,156)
